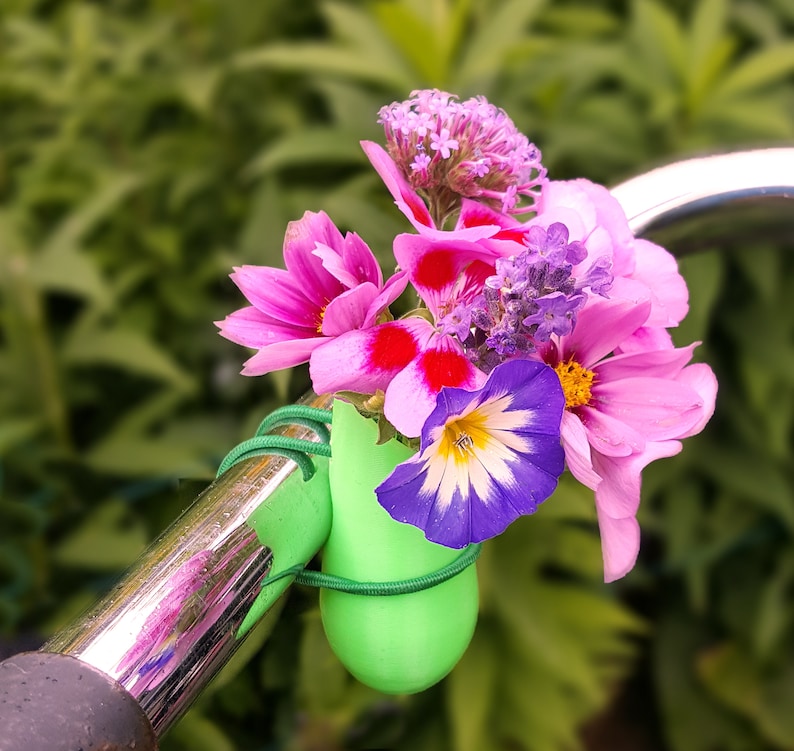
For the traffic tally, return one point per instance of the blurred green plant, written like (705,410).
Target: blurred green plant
(145,148)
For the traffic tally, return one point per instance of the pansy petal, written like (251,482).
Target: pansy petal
(496,469)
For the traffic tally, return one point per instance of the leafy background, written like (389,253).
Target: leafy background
(146,147)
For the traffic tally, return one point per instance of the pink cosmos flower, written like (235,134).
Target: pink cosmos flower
(332,284)
(622,412)
(640,268)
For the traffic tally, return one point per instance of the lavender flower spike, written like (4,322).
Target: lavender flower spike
(486,457)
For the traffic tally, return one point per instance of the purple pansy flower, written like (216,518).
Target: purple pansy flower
(486,457)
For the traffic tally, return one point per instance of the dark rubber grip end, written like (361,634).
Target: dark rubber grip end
(54,702)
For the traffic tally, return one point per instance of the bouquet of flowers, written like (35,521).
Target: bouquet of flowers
(539,339)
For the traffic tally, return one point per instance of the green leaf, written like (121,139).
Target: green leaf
(109,539)
(322,59)
(198,733)
(73,230)
(659,42)
(143,456)
(470,692)
(14,431)
(751,475)
(310,146)
(692,719)
(126,349)
(760,69)
(708,47)
(490,43)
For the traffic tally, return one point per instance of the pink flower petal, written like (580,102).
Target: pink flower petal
(286,354)
(300,240)
(657,363)
(440,269)
(658,270)
(404,196)
(440,363)
(355,265)
(276,294)
(393,288)
(618,495)
(367,359)
(601,326)
(656,408)
(253,328)
(620,545)
(609,435)
(349,310)
(617,499)
(701,379)
(577,451)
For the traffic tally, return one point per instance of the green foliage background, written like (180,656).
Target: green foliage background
(146,147)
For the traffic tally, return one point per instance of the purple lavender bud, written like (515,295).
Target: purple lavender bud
(556,314)
(599,277)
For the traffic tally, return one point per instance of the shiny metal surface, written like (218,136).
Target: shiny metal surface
(738,197)
(167,628)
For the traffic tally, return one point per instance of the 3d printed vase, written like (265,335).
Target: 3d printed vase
(399,643)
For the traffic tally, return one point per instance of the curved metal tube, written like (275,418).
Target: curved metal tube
(173,621)
(705,201)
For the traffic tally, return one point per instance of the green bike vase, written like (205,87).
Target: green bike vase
(396,643)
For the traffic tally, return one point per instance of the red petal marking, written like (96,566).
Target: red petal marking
(515,234)
(418,209)
(392,347)
(436,270)
(444,368)
(476,218)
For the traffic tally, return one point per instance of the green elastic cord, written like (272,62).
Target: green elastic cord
(380,589)
(300,414)
(297,449)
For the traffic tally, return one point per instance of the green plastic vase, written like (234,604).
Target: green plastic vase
(398,643)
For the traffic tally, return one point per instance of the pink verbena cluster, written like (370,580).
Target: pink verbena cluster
(530,335)
(448,149)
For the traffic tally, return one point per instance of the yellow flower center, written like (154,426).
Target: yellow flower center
(576,383)
(464,435)
(320,317)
